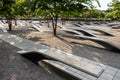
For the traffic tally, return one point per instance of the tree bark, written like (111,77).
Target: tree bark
(55,28)
(48,22)
(54,24)
(15,21)
(10,24)
(55,31)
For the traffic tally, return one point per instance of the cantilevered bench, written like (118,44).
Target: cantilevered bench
(53,54)
(15,67)
(102,31)
(99,30)
(100,41)
(36,27)
(84,31)
(76,66)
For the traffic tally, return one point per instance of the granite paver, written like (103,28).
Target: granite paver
(89,68)
(28,45)
(15,67)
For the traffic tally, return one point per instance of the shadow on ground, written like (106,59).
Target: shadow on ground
(95,54)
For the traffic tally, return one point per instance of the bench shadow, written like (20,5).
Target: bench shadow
(65,41)
(71,44)
(88,45)
(34,56)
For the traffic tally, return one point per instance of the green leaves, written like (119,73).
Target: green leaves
(43,8)
(61,6)
(114,12)
(7,7)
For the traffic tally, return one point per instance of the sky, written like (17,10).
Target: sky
(103,4)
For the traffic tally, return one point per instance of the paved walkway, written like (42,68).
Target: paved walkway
(90,70)
(15,67)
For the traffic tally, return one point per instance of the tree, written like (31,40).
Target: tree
(56,8)
(10,9)
(7,9)
(114,10)
(19,9)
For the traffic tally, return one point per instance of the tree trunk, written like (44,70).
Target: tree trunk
(15,21)
(48,23)
(63,22)
(55,31)
(54,24)
(10,24)
(56,17)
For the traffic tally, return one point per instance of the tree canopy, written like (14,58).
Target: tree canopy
(61,8)
(114,10)
(52,9)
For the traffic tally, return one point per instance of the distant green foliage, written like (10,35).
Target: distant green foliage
(44,8)
(60,8)
(52,9)
(93,13)
(114,10)
(7,7)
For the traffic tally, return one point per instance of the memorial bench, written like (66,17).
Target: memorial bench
(88,68)
(103,42)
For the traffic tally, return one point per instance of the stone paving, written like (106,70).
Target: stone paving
(109,73)
(82,68)
(15,67)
